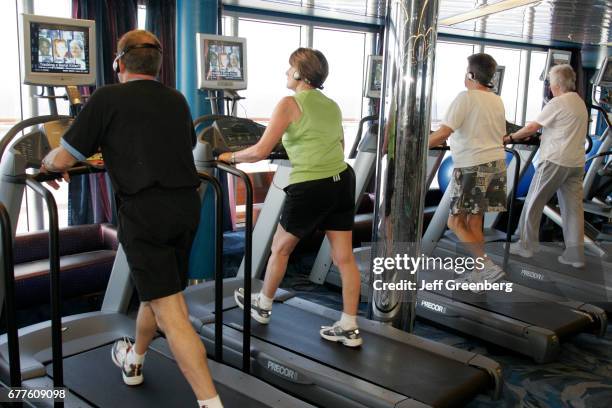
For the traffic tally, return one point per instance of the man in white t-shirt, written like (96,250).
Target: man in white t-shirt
(564,123)
(475,125)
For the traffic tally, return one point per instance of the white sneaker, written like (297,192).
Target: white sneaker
(564,261)
(258,313)
(350,338)
(132,373)
(517,249)
(492,272)
(468,277)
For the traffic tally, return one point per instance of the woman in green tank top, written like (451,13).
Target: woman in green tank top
(321,191)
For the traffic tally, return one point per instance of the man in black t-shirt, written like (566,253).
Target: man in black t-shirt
(145,132)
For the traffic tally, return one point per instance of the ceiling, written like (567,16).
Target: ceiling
(549,22)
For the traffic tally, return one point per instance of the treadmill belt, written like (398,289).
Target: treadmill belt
(417,373)
(516,305)
(93,376)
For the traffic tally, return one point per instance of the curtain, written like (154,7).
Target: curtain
(90,197)
(113,19)
(161,21)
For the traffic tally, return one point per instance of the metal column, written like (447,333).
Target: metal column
(410,39)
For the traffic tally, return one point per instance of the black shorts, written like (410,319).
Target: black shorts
(156,229)
(327,204)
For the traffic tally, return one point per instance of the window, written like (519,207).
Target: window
(18,101)
(345,53)
(511,59)
(269,60)
(535,94)
(40,106)
(10,103)
(451,65)
(142,17)
(267,63)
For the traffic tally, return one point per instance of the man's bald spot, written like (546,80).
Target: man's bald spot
(137,37)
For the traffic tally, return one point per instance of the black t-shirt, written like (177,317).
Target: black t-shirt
(145,132)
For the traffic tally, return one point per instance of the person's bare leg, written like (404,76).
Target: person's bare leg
(186,346)
(464,227)
(146,327)
(283,245)
(474,225)
(342,254)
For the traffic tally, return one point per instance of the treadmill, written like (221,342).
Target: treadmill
(592,284)
(529,322)
(289,352)
(74,352)
(547,317)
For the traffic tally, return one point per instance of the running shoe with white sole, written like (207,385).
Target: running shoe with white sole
(491,273)
(258,313)
(132,373)
(517,249)
(564,261)
(350,338)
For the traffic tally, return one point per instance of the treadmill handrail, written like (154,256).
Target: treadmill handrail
(9,298)
(440,147)
(74,171)
(54,268)
(603,112)
(589,145)
(218,263)
(357,140)
(248,245)
(511,200)
(608,153)
(17,128)
(209,117)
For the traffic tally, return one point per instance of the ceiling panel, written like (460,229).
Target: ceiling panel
(548,22)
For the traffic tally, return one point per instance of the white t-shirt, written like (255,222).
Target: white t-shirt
(564,121)
(478,120)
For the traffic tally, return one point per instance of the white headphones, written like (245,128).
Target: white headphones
(298,77)
(472,77)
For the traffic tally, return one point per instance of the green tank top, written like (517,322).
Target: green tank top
(314,142)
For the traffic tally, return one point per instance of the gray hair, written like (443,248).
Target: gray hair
(564,77)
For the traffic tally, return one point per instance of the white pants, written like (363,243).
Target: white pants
(567,183)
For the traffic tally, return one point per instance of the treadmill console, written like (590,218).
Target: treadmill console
(239,134)
(230,134)
(34,146)
(532,140)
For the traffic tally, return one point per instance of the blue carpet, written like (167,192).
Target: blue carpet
(581,378)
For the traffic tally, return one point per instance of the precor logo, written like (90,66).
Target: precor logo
(433,306)
(282,371)
(532,275)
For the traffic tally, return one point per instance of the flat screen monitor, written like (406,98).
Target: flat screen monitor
(373,84)
(58,51)
(604,76)
(556,57)
(498,79)
(222,62)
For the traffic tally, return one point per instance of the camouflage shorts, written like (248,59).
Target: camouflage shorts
(479,189)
